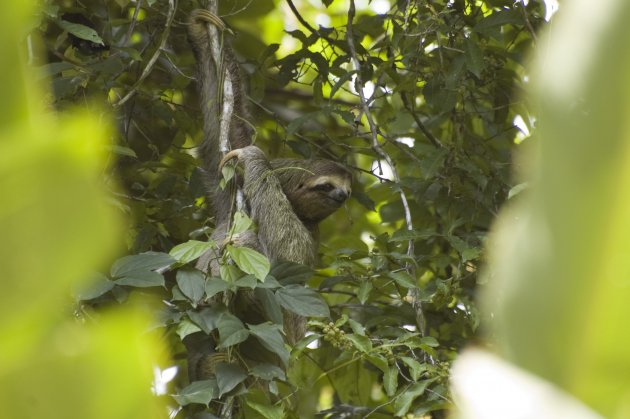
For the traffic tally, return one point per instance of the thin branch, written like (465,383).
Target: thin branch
(410,107)
(376,146)
(528,23)
(299,17)
(149,67)
(132,25)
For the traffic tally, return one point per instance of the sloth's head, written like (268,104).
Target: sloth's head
(315,188)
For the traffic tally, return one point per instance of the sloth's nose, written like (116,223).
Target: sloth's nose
(339,195)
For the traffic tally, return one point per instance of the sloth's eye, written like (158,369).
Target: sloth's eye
(325,187)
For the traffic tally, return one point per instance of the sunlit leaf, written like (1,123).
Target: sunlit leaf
(250,261)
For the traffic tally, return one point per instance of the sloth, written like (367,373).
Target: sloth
(286,198)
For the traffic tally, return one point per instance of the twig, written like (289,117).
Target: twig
(132,25)
(299,17)
(410,107)
(414,293)
(149,67)
(528,23)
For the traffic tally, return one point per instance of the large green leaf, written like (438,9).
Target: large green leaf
(250,261)
(228,377)
(302,301)
(200,392)
(192,284)
(231,330)
(141,279)
(148,261)
(270,336)
(191,250)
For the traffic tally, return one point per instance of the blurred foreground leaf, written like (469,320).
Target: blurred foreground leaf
(560,260)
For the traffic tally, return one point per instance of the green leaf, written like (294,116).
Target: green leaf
(500,18)
(141,279)
(403,402)
(250,261)
(362,343)
(356,327)
(270,305)
(215,286)
(378,361)
(122,151)
(430,341)
(200,392)
(268,372)
(471,253)
(231,330)
(191,250)
(415,368)
(228,377)
(303,301)
(270,337)
(390,380)
(246,281)
(148,261)
(208,318)
(192,284)
(342,80)
(80,31)
(185,328)
(230,273)
(403,279)
(266,411)
(291,273)
(96,287)
(364,291)
(241,222)
(474,57)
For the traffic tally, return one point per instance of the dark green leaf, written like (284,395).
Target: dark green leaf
(200,392)
(228,377)
(271,338)
(500,18)
(208,318)
(342,80)
(215,286)
(148,261)
(474,57)
(191,284)
(302,301)
(231,330)
(141,279)
(270,305)
(268,372)
(98,285)
(291,273)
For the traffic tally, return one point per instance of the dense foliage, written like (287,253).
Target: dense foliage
(427,123)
